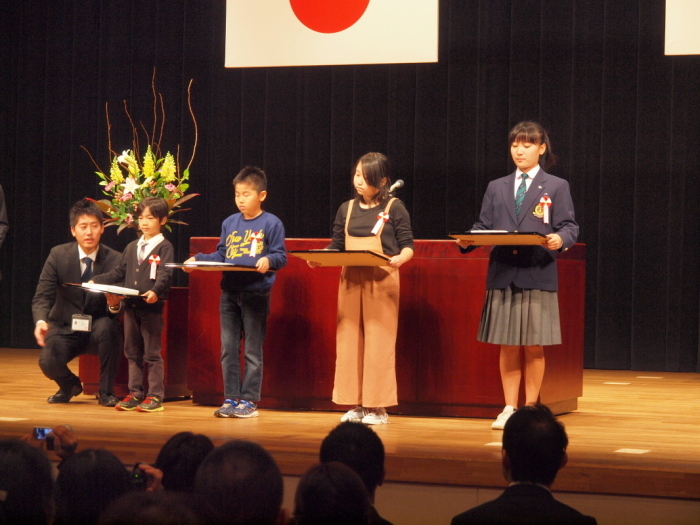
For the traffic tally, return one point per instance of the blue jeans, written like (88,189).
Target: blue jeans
(243,314)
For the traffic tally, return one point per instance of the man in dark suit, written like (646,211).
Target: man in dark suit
(70,321)
(534,449)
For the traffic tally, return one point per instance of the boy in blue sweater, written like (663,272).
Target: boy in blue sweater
(255,238)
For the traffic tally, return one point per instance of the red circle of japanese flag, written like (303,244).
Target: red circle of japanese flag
(328,17)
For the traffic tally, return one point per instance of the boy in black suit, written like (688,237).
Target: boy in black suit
(142,267)
(55,306)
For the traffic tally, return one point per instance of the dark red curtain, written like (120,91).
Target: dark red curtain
(623,119)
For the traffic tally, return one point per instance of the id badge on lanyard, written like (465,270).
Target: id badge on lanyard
(81,323)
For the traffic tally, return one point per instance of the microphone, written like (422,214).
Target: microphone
(396,185)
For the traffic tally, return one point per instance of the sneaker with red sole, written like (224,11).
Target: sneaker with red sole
(130,402)
(151,404)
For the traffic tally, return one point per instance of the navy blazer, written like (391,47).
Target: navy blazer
(527,267)
(523,504)
(55,303)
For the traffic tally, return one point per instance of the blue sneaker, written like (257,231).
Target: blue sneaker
(226,409)
(245,409)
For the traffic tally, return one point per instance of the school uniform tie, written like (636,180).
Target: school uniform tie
(87,274)
(142,252)
(520,194)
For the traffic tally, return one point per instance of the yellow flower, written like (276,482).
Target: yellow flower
(115,173)
(149,163)
(167,170)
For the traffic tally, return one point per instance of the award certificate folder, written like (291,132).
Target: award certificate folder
(500,237)
(106,288)
(210,266)
(342,258)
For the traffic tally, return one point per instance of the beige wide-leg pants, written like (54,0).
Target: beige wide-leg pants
(368,315)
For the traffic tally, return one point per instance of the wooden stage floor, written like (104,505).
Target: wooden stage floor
(635,433)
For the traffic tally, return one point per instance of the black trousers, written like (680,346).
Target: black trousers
(105,340)
(142,333)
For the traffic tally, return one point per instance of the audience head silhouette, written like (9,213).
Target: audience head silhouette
(151,508)
(239,482)
(358,447)
(331,493)
(534,446)
(26,486)
(180,458)
(87,483)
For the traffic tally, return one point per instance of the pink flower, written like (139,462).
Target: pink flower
(126,196)
(129,218)
(170,187)
(110,186)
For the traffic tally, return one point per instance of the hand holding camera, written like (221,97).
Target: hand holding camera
(61,439)
(147,477)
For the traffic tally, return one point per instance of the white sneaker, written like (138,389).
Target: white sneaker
(355,415)
(376,416)
(502,418)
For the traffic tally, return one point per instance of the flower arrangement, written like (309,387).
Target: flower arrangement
(133,177)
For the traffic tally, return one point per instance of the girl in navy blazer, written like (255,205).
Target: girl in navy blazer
(521,306)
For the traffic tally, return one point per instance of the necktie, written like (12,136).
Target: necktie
(520,194)
(142,252)
(87,274)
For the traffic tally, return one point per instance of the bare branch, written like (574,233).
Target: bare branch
(194,121)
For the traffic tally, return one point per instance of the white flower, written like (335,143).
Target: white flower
(125,157)
(130,185)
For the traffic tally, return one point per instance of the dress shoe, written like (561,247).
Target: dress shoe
(106,400)
(62,397)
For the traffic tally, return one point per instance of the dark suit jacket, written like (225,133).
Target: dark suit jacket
(528,267)
(131,274)
(57,304)
(523,504)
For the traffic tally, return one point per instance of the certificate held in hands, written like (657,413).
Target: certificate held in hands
(211,266)
(342,258)
(106,288)
(500,237)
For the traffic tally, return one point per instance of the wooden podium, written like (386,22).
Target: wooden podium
(442,370)
(174,354)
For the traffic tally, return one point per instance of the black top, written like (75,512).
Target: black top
(396,235)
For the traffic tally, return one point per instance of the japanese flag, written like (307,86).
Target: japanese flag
(269,33)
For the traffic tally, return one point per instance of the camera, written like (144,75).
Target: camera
(45,433)
(139,477)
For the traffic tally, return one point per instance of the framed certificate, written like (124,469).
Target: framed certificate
(342,258)
(210,266)
(106,288)
(499,237)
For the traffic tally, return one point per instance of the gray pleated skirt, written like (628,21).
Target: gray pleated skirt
(514,316)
